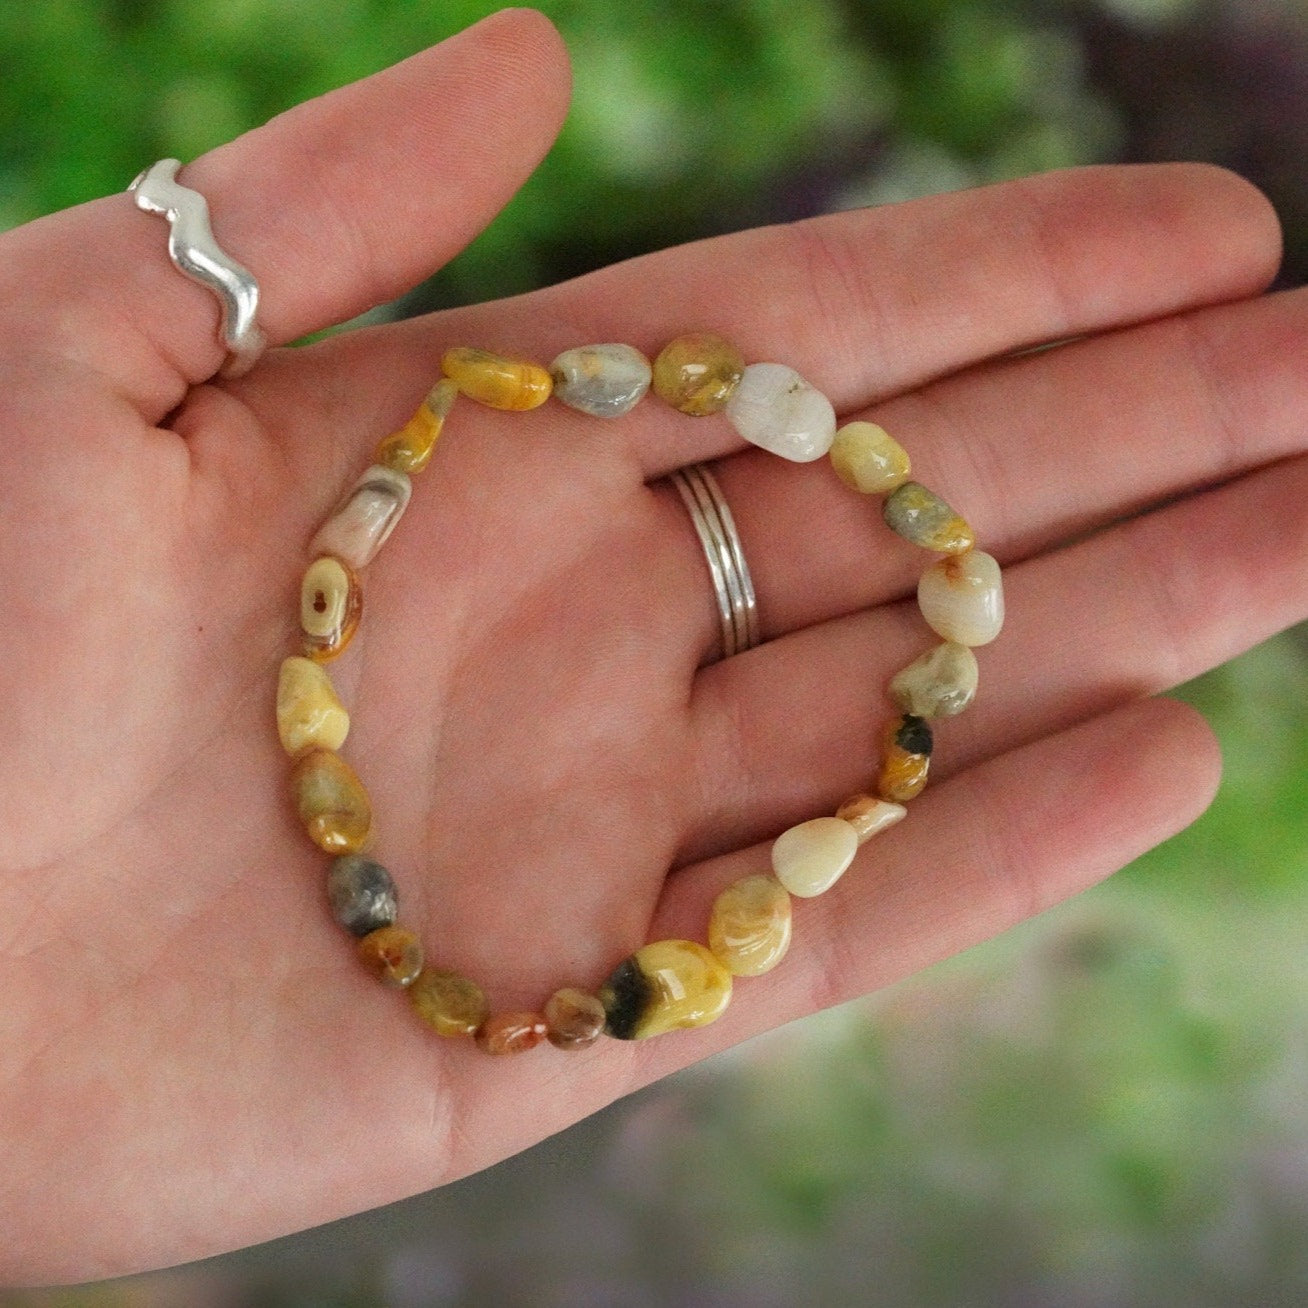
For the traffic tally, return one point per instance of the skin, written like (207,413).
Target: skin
(190,1058)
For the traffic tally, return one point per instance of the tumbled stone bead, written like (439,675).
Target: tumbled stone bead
(905,759)
(573,1019)
(510,1033)
(868,459)
(496,380)
(331,601)
(362,894)
(664,986)
(450,1004)
(393,955)
(902,776)
(698,373)
(409,450)
(962,598)
(867,815)
(922,518)
(605,381)
(749,926)
(331,801)
(811,857)
(309,711)
(366,516)
(777,410)
(939,684)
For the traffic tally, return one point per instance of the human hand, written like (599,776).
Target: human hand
(192,1058)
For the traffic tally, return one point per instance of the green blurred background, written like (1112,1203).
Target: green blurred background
(1103,1108)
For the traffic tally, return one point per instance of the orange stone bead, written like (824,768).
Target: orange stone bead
(575,1020)
(698,373)
(867,815)
(450,1004)
(393,955)
(497,381)
(511,1033)
(905,759)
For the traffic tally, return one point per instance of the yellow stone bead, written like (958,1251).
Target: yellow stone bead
(450,1004)
(665,986)
(409,450)
(749,927)
(868,459)
(331,602)
(497,381)
(393,955)
(308,709)
(698,373)
(331,802)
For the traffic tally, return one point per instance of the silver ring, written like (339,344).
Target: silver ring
(737,604)
(193,250)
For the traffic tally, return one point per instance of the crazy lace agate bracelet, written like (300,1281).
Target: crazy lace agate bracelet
(667,984)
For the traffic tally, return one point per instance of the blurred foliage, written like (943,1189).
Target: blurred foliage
(687,119)
(1103,1108)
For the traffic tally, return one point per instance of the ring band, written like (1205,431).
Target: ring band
(194,252)
(732,585)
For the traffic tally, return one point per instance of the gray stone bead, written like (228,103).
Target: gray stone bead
(362,894)
(921,517)
(939,684)
(605,381)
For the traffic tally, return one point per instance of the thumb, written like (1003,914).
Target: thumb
(335,206)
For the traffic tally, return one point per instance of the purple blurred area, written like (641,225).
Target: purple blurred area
(1227,85)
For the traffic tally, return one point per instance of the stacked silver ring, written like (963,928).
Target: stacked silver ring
(737,605)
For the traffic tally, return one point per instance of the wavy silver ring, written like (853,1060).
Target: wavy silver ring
(732,585)
(193,250)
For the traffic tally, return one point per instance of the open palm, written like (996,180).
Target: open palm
(190,1057)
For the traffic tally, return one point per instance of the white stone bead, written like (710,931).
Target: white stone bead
(365,517)
(939,684)
(962,598)
(811,857)
(777,410)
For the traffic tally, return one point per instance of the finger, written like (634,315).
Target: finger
(1031,451)
(868,303)
(980,853)
(1128,612)
(865,303)
(1118,243)
(335,206)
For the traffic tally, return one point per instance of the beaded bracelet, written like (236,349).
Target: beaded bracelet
(667,984)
